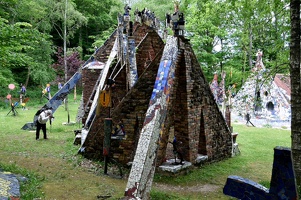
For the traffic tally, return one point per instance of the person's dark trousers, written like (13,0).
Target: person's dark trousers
(39,127)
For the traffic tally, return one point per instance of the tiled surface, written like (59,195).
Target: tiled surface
(143,166)
(9,186)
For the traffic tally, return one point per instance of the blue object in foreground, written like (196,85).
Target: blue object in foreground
(283,183)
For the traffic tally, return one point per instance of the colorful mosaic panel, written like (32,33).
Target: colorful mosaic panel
(142,171)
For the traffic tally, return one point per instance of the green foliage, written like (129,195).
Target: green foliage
(256,146)
(239,29)
(6,77)
(205,26)
(102,17)
(267,126)
(24,52)
(265,183)
(160,8)
(35,12)
(5,8)
(100,39)
(63,17)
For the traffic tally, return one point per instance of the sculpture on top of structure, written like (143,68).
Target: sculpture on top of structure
(176,21)
(147,17)
(259,64)
(218,89)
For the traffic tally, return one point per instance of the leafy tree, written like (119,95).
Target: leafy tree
(101,38)
(102,19)
(35,12)
(205,28)
(239,28)
(24,19)
(73,63)
(65,20)
(19,55)
(5,8)
(160,8)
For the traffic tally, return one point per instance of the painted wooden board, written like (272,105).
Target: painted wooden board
(104,73)
(59,97)
(124,47)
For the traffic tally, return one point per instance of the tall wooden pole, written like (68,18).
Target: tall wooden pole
(65,56)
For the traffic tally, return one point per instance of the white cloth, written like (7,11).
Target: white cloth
(44,116)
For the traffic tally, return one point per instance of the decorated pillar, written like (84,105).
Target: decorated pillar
(143,167)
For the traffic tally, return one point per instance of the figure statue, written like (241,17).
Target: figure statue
(176,20)
(127,9)
(217,90)
(177,150)
(259,64)
(22,93)
(138,15)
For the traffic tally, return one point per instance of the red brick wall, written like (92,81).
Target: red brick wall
(89,79)
(129,107)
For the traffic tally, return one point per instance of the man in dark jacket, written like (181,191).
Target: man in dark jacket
(248,118)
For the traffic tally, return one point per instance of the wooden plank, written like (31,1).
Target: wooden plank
(100,87)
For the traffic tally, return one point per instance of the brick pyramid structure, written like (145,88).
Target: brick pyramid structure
(193,117)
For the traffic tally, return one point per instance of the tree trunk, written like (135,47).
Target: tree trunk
(27,78)
(243,69)
(65,57)
(295,89)
(250,46)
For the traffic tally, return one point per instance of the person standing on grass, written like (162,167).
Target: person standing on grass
(41,122)
(248,118)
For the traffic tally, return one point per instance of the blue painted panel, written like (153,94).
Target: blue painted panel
(59,97)
(161,79)
(133,66)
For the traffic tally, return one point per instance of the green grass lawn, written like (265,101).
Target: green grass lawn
(56,171)
(254,162)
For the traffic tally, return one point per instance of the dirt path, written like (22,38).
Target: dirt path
(191,189)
